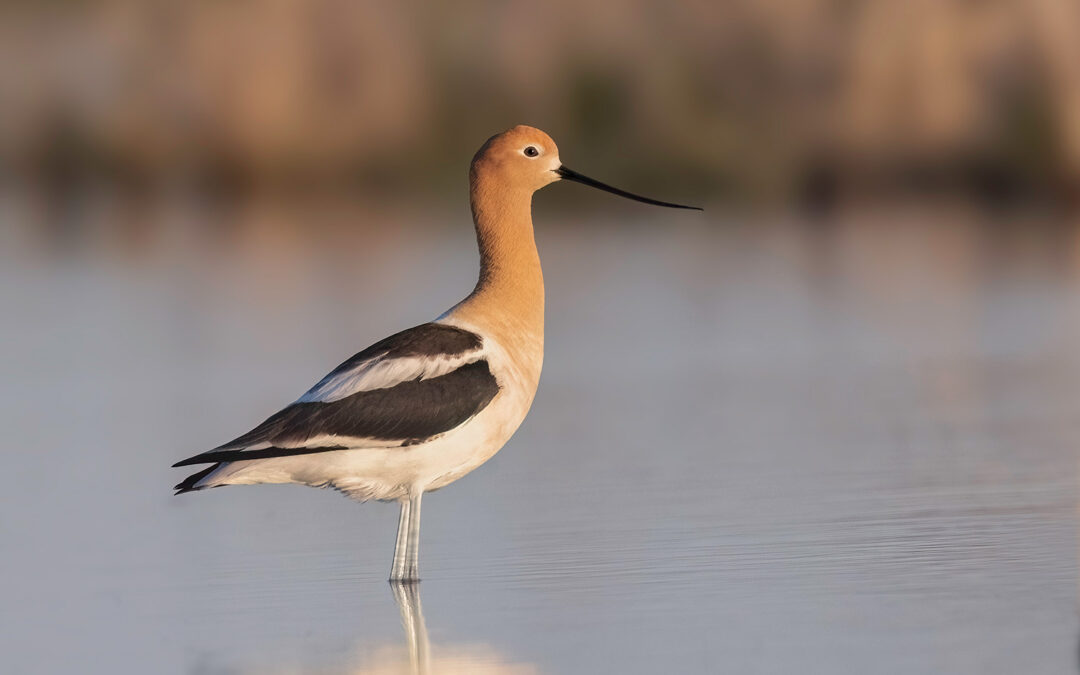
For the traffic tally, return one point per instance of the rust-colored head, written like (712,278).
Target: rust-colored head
(522,158)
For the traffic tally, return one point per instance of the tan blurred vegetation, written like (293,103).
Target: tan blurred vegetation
(744,100)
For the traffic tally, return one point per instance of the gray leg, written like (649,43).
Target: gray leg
(397,572)
(412,551)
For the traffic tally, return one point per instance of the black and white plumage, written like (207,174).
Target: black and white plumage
(407,389)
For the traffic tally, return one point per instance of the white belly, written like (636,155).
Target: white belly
(393,473)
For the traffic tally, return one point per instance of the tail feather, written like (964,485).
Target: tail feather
(189,484)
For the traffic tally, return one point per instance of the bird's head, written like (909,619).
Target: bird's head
(520,158)
(526,159)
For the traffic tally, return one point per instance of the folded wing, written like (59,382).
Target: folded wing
(406,389)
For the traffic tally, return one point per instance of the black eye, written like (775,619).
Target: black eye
(530,151)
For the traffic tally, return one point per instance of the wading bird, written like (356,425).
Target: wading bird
(424,407)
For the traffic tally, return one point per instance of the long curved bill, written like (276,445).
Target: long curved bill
(570,174)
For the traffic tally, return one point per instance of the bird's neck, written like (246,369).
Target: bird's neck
(508,301)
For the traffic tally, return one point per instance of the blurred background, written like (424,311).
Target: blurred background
(749,101)
(847,441)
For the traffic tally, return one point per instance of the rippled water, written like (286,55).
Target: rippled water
(758,447)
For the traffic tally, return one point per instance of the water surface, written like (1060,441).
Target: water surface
(758,446)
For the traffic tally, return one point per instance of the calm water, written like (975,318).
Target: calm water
(758,447)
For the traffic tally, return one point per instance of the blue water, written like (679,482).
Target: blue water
(758,447)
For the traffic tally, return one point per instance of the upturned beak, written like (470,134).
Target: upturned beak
(570,174)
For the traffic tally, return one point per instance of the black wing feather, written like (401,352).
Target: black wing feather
(407,413)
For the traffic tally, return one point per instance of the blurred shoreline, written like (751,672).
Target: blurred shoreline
(788,102)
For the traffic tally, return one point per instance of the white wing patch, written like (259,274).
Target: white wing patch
(325,441)
(384,371)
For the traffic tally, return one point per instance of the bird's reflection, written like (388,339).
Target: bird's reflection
(366,658)
(407,595)
(447,659)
